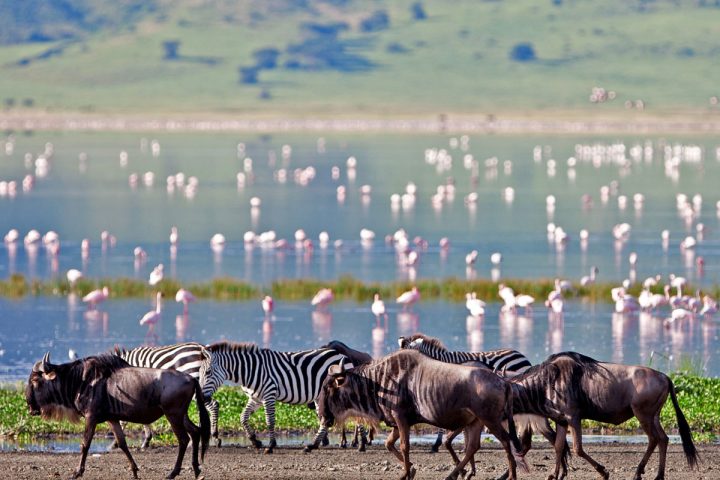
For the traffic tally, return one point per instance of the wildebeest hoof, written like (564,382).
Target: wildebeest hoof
(604,474)
(268,451)
(325,441)
(434,449)
(361,448)
(343,444)
(218,442)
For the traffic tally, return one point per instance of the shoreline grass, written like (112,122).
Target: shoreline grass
(346,288)
(698,397)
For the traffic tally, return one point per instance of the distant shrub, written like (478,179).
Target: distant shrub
(325,29)
(264,94)
(395,47)
(170,48)
(686,52)
(379,20)
(9,102)
(418,12)
(249,75)
(28,102)
(523,52)
(266,57)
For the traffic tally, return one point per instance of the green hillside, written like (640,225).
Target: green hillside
(359,58)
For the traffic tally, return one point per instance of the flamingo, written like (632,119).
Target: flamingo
(589,279)
(407,299)
(524,301)
(475,306)
(710,306)
(96,296)
(156,275)
(322,298)
(508,296)
(12,236)
(185,297)
(471,257)
(173,236)
(73,275)
(378,307)
(268,304)
(151,318)
(555,302)
(496,258)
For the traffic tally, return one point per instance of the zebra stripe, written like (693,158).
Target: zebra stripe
(268,376)
(184,357)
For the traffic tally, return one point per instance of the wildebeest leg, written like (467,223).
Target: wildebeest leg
(448,444)
(213,408)
(147,436)
(343,437)
(90,425)
(504,438)
(249,409)
(390,443)
(405,449)
(195,437)
(435,448)
(472,444)
(177,423)
(560,445)
(576,430)
(122,444)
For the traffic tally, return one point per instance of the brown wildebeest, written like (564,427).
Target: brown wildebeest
(106,388)
(357,358)
(406,388)
(569,387)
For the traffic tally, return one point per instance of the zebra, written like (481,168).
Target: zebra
(184,357)
(504,362)
(268,376)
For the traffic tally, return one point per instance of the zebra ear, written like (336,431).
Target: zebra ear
(417,342)
(402,342)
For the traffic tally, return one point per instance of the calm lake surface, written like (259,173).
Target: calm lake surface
(85,187)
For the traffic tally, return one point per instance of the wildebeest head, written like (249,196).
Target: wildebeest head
(331,402)
(45,395)
(39,384)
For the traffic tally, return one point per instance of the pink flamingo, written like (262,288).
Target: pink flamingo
(322,298)
(73,275)
(378,307)
(268,304)
(185,297)
(407,299)
(96,296)
(151,318)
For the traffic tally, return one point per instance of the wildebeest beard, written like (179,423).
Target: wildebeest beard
(59,413)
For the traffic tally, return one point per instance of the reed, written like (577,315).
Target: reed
(348,288)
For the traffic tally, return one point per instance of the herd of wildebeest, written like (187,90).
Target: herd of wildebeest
(421,383)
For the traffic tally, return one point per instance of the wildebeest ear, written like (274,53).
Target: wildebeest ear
(49,376)
(335,370)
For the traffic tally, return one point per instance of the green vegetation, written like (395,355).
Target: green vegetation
(341,59)
(699,398)
(344,288)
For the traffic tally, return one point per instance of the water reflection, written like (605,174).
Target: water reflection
(407,323)
(322,321)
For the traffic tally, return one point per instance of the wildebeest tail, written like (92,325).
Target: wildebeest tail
(515,446)
(688,446)
(204,419)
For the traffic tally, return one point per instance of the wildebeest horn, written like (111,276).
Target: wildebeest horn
(336,370)
(45,362)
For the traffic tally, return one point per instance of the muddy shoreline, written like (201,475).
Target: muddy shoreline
(237,462)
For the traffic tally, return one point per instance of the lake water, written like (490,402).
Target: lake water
(85,188)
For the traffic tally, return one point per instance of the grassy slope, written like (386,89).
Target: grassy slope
(457,61)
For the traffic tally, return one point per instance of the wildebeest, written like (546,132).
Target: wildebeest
(356,357)
(105,388)
(569,387)
(406,388)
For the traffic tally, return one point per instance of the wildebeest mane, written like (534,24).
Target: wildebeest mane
(101,366)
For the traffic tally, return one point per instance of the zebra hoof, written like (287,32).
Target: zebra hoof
(218,442)
(361,448)
(325,441)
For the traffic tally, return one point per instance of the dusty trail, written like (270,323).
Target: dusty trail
(334,463)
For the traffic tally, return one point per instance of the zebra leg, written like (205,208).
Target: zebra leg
(438,441)
(363,437)
(213,408)
(147,436)
(269,404)
(249,409)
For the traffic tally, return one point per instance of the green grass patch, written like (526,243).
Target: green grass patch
(344,288)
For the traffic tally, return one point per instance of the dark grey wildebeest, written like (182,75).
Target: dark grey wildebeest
(360,439)
(106,388)
(569,387)
(407,388)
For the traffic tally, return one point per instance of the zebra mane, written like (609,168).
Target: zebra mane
(118,351)
(226,346)
(429,341)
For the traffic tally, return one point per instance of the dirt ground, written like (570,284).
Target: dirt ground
(334,463)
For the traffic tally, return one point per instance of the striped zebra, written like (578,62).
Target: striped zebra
(268,376)
(184,357)
(505,362)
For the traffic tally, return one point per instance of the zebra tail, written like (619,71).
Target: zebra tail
(204,419)
(688,446)
(515,446)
